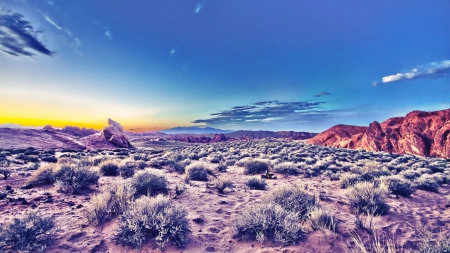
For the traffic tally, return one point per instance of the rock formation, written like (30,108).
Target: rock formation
(418,133)
(114,134)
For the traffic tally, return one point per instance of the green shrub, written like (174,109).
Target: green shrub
(222,183)
(146,181)
(253,166)
(72,178)
(256,183)
(397,185)
(222,167)
(4,170)
(268,220)
(349,180)
(32,232)
(197,171)
(157,217)
(366,198)
(293,199)
(287,168)
(427,182)
(109,168)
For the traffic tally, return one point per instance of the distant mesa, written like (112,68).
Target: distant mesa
(195,130)
(418,133)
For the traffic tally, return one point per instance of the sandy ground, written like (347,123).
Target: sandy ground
(218,212)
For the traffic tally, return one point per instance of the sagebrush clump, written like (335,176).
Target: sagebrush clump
(256,183)
(366,198)
(152,217)
(197,171)
(32,232)
(149,182)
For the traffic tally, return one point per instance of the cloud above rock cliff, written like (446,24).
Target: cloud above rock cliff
(431,70)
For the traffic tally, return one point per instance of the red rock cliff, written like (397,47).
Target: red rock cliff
(418,133)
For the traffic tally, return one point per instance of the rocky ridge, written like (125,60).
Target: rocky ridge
(418,133)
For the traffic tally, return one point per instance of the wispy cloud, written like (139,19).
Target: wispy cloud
(18,35)
(431,70)
(107,32)
(199,7)
(267,112)
(52,22)
(323,93)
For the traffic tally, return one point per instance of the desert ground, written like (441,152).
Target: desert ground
(217,209)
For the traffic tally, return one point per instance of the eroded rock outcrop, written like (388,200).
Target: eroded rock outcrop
(418,133)
(114,134)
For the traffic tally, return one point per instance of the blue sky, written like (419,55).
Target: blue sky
(230,64)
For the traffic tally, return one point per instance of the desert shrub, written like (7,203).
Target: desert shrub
(256,183)
(146,181)
(222,167)
(268,220)
(427,182)
(43,175)
(197,171)
(109,168)
(253,166)
(98,209)
(5,172)
(323,219)
(215,159)
(287,168)
(349,180)
(331,175)
(49,159)
(127,167)
(292,199)
(111,202)
(230,162)
(32,232)
(222,183)
(441,244)
(179,166)
(370,171)
(410,174)
(72,178)
(366,198)
(152,217)
(397,185)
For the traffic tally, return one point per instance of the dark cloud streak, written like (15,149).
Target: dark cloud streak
(17,34)
(266,112)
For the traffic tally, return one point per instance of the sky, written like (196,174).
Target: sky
(229,64)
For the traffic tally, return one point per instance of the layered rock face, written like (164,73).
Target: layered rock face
(418,133)
(114,134)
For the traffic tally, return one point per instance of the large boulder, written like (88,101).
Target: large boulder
(114,134)
(418,133)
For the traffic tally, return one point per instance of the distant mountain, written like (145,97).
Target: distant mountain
(18,126)
(195,130)
(418,133)
(244,134)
